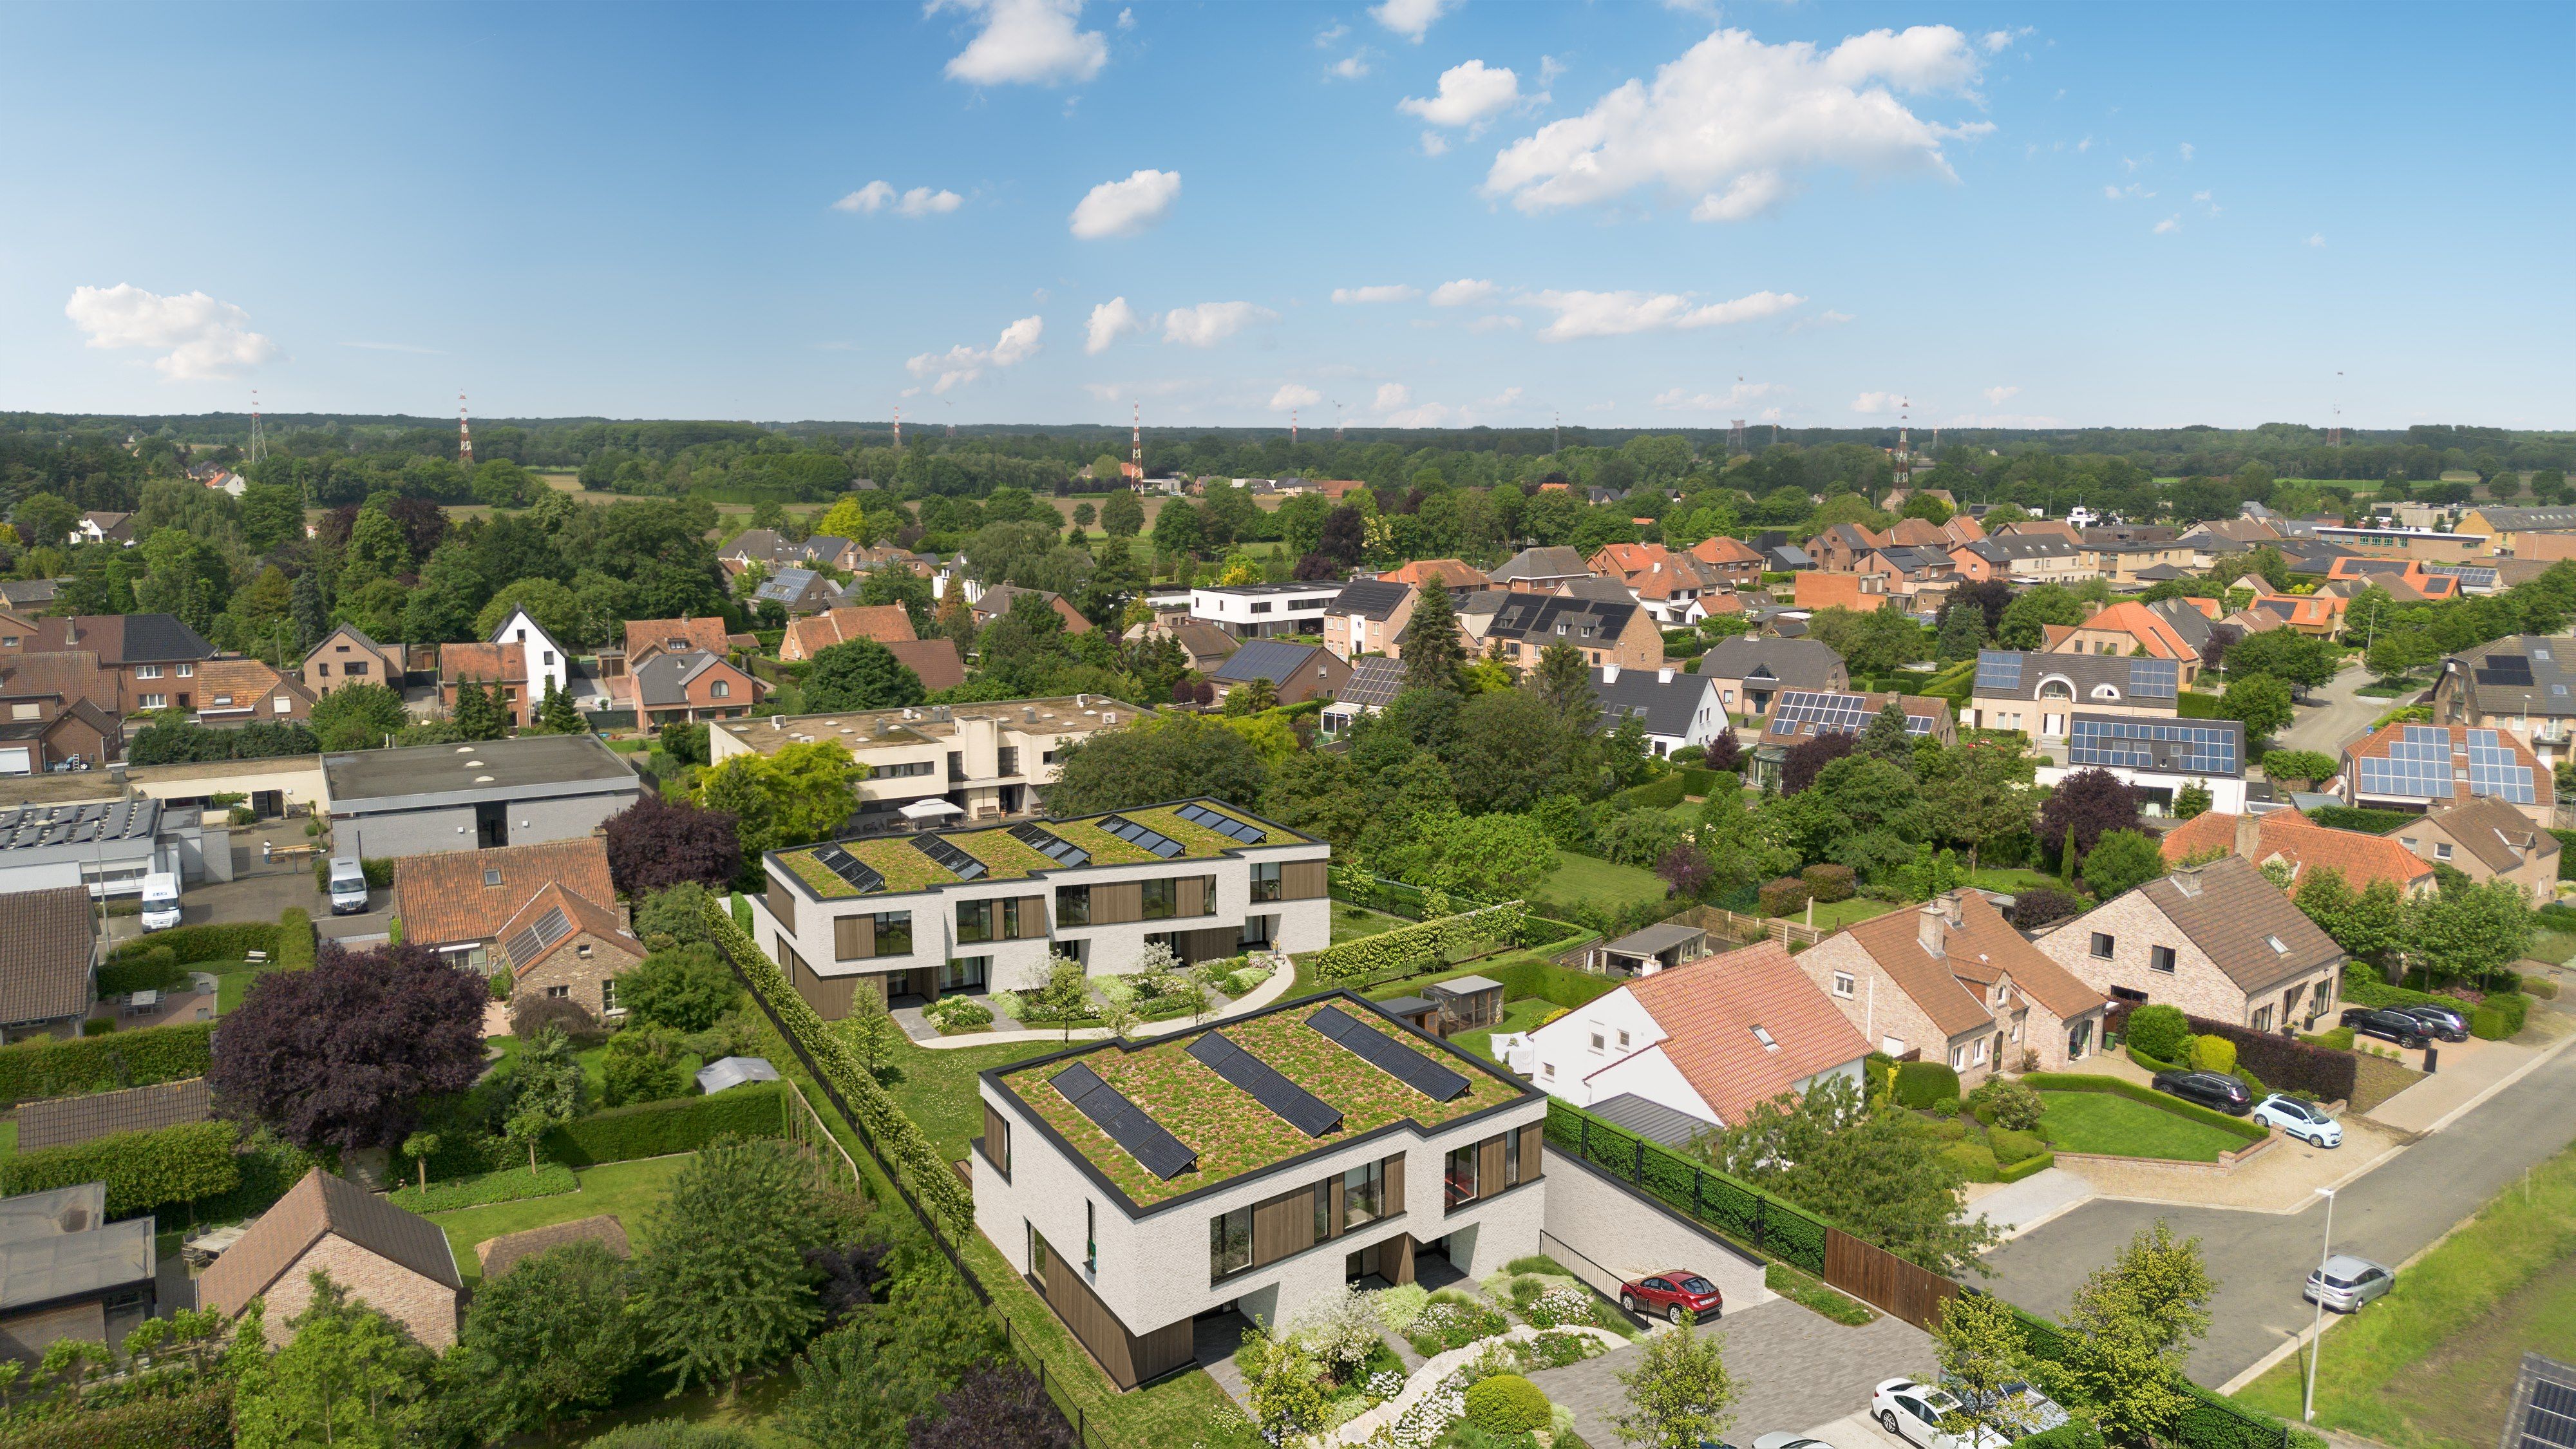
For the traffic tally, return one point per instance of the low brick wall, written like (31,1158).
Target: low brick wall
(2227,1161)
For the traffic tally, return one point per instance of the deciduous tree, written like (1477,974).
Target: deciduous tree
(350,1376)
(2260,702)
(1154,760)
(861,674)
(341,1055)
(1679,1394)
(655,843)
(799,794)
(724,1288)
(2091,804)
(686,988)
(2127,1334)
(2121,860)
(1879,1175)
(358,717)
(545,1341)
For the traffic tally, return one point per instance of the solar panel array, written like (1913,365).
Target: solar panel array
(2471,576)
(2418,763)
(1374,683)
(1127,1124)
(2547,1413)
(1293,1104)
(1998,669)
(949,857)
(1388,1055)
(1137,835)
(2507,669)
(861,876)
(1815,712)
(2154,678)
(2192,747)
(2495,770)
(526,946)
(1225,825)
(1051,845)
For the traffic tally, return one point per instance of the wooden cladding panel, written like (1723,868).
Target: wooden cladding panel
(782,903)
(1032,916)
(1090,1319)
(1192,894)
(1395,1185)
(1282,1226)
(997,1139)
(1878,1277)
(1169,1347)
(854,938)
(1531,1146)
(1489,1167)
(1117,903)
(828,995)
(1302,880)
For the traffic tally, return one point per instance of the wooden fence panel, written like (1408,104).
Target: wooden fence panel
(1885,1281)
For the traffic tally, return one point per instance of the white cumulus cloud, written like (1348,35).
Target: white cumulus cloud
(1434,144)
(1392,395)
(2186,150)
(920,201)
(1731,121)
(1463,292)
(1470,94)
(1429,415)
(2169,225)
(1110,321)
(1210,323)
(2316,238)
(963,364)
(1409,18)
(1618,314)
(1124,208)
(1026,41)
(1995,395)
(1294,395)
(1349,67)
(1877,402)
(1376,294)
(199,338)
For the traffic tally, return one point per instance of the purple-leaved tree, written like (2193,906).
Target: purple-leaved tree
(342,1054)
(654,844)
(2094,803)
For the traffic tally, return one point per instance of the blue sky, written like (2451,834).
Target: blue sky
(1025,211)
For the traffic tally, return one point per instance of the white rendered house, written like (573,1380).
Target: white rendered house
(548,662)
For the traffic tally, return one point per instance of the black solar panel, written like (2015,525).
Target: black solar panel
(1137,835)
(1814,712)
(2154,678)
(1293,1104)
(2504,669)
(523,947)
(1051,845)
(1127,1124)
(1998,669)
(1374,683)
(2543,1415)
(1225,825)
(958,862)
(526,946)
(2193,747)
(861,876)
(1388,1055)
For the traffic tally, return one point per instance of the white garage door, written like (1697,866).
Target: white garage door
(14,762)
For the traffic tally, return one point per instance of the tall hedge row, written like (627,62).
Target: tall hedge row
(74,1066)
(658,1129)
(199,1420)
(2285,1064)
(229,941)
(1416,947)
(143,1170)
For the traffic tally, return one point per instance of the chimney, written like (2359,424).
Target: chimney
(1929,924)
(2187,880)
(2249,835)
(774,720)
(1609,674)
(1082,701)
(1664,676)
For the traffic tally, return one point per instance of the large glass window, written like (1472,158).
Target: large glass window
(1266,882)
(1363,1195)
(1073,905)
(1229,1242)
(974,921)
(894,933)
(1323,1210)
(1037,1256)
(1207,895)
(1161,898)
(965,974)
(1458,1175)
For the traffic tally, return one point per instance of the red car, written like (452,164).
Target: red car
(1672,1294)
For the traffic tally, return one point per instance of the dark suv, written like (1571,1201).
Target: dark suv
(2208,1089)
(2439,1021)
(2387,1025)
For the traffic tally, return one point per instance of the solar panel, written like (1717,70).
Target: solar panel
(1225,825)
(1127,1124)
(2504,669)
(2494,770)
(2192,747)
(964,866)
(861,876)
(523,947)
(1293,1104)
(1998,669)
(1388,1055)
(2154,678)
(2418,763)
(1814,712)
(1374,683)
(531,943)
(1137,835)
(552,926)
(1051,845)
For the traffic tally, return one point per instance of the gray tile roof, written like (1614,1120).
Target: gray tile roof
(789,586)
(1652,1120)
(1666,705)
(2524,519)
(2235,917)
(664,678)
(47,945)
(1538,616)
(2492,830)
(1796,663)
(2520,674)
(1541,563)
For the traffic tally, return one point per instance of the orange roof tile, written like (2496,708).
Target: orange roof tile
(1454,574)
(454,897)
(1709,1009)
(584,913)
(2285,835)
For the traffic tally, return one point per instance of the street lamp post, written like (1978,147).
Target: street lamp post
(2317,1336)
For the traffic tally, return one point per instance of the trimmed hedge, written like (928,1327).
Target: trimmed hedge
(1920,1084)
(1661,794)
(1551,983)
(76,1066)
(199,1420)
(1829,883)
(2567,854)
(2193,705)
(509,1184)
(2027,1167)
(155,970)
(1699,782)
(2544,987)
(226,942)
(2013,1147)
(2289,1066)
(1785,896)
(2121,1086)
(1418,946)
(1975,1161)
(1506,1404)
(2348,817)
(2162,1032)
(2338,1039)
(1544,931)
(143,1170)
(658,1129)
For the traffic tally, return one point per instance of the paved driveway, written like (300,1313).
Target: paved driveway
(1793,1369)
(2335,716)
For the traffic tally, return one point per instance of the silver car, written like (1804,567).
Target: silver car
(2346,1282)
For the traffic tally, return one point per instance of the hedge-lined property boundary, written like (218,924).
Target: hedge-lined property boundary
(143,1170)
(508,1184)
(77,1066)
(658,1129)
(1407,947)
(202,1419)
(2122,1087)
(2283,1064)
(230,941)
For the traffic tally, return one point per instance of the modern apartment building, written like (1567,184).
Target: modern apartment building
(1257,611)
(968,910)
(1318,1143)
(985,760)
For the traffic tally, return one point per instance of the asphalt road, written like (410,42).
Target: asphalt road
(2337,716)
(2260,1259)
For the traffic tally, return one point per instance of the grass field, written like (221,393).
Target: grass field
(2431,1365)
(2114,1125)
(2555,946)
(938,1088)
(1590,878)
(1521,1015)
(628,1189)
(1350,923)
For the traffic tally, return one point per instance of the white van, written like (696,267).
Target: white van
(160,900)
(348,886)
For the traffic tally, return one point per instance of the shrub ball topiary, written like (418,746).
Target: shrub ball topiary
(2011,1147)
(532,1014)
(2040,906)
(1975,1160)
(2212,1054)
(2160,1032)
(1920,1084)
(1506,1404)
(2008,1104)
(1785,896)
(1829,883)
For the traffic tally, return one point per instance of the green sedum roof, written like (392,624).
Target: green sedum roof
(1006,857)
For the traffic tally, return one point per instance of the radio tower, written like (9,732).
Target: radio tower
(1337,422)
(1136,439)
(2334,434)
(898,428)
(1735,436)
(1904,444)
(258,439)
(464,436)
(1292,427)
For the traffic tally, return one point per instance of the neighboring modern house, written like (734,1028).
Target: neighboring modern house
(347,656)
(1305,1147)
(1368,617)
(2424,767)
(2217,940)
(1299,672)
(153,656)
(809,636)
(247,691)
(2159,758)
(1953,981)
(2301,846)
(996,601)
(1841,546)
(1259,611)
(685,688)
(48,962)
(2408,581)
(1677,709)
(986,909)
(967,761)
(1373,685)
(2516,684)
(1710,1038)
(2039,694)
(1540,570)
(2486,839)
(395,1262)
(428,798)
(66,1272)
(545,914)
(1749,673)
(1606,631)
(104,527)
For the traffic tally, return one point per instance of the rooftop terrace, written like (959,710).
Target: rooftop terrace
(920,724)
(893,865)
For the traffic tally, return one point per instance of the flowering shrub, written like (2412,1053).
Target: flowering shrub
(1399,1306)
(1556,1350)
(1557,1307)
(1428,1421)
(1451,1323)
(1383,1385)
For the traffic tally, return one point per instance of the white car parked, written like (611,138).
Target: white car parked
(1913,1412)
(2301,1120)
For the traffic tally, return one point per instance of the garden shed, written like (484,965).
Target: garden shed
(715,1076)
(1414,1011)
(1467,1002)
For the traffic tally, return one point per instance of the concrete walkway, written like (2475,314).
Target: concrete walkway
(2018,1207)
(2469,1072)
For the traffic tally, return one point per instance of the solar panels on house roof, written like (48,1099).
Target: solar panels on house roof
(1814,712)
(2154,678)
(964,866)
(1225,825)
(1137,835)
(1388,1055)
(1127,1124)
(1998,669)
(2417,763)
(1374,683)
(2191,747)
(2503,668)
(2495,770)
(1293,1104)
(1051,845)
(526,946)
(861,876)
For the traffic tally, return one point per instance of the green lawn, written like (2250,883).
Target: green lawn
(937,1090)
(2013,879)
(2559,946)
(1351,922)
(627,1189)
(2108,1123)
(1521,1015)
(1834,915)
(1590,878)
(2431,1365)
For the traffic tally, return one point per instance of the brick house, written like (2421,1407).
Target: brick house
(1367,618)
(55,708)
(1954,981)
(811,635)
(562,944)
(396,1262)
(245,691)
(2174,629)
(2217,940)
(546,913)
(1736,561)
(998,599)
(1815,589)
(347,656)
(2303,846)
(2427,767)
(1606,631)
(1840,548)
(2485,839)
(153,656)
(645,638)
(684,688)
(1748,672)
(1299,672)
(486,665)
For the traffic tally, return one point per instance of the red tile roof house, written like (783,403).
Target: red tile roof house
(1954,982)
(545,913)
(55,708)
(1735,560)
(1709,1038)
(684,688)
(2217,940)
(486,665)
(811,635)
(395,1262)
(246,691)
(2427,767)
(648,637)
(153,656)
(2303,846)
